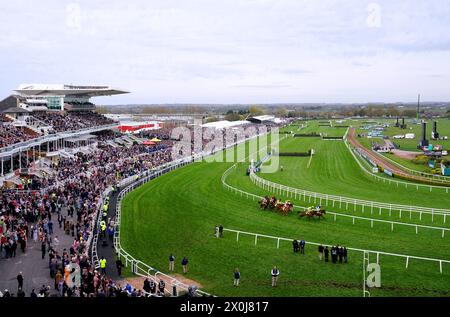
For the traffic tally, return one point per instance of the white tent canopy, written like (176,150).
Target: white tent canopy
(224,124)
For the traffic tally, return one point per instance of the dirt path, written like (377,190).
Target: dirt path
(138,281)
(408,155)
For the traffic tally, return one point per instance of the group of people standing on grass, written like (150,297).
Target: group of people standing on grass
(218,231)
(184,264)
(338,254)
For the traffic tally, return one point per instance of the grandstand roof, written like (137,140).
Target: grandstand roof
(9,102)
(264,118)
(224,124)
(67,90)
(15,110)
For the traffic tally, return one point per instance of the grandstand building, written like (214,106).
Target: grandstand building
(43,97)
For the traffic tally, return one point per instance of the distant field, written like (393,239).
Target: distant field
(177,212)
(443,128)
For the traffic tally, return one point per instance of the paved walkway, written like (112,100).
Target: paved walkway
(108,251)
(35,270)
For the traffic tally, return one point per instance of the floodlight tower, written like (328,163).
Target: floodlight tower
(418,107)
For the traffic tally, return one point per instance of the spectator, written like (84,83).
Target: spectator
(302,246)
(119,266)
(320,252)
(237,277)
(326,252)
(184,263)
(161,287)
(295,246)
(103,265)
(20,281)
(43,249)
(171,263)
(275,272)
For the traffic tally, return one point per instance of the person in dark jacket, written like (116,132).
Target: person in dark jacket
(302,246)
(320,252)
(295,246)
(152,287)
(237,277)
(171,263)
(43,249)
(184,263)
(119,266)
(345,254)
(33,294)
(274,272)
(147,287)
(334,254)
(326,253)
(161,287)
(20,281)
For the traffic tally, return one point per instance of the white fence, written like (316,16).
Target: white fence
(378,253)
(335,214)
(173,286)
(138,267)
(23,146)
(334,200)
(436,177)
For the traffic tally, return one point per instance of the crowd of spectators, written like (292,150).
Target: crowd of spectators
(73,200)
(71,121)
(10,134)
(59,122)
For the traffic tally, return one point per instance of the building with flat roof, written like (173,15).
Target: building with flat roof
(44,97)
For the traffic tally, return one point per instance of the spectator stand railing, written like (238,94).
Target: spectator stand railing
(378,253)
(335,214)
(23,146)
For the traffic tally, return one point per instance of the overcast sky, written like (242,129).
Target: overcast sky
(231,51)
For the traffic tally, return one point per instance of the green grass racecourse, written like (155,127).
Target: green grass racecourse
(177,212)
(333,170)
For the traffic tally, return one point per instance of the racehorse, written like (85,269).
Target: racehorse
(320,213)
(285,208)
(310,213)
(306,213)
(264,203)
(273,203)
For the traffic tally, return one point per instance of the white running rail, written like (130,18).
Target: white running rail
(378,253)
(335,214)
(333,199)
(379,178)
(138,267)
(444,179)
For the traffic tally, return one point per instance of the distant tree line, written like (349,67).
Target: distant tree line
(241,112)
